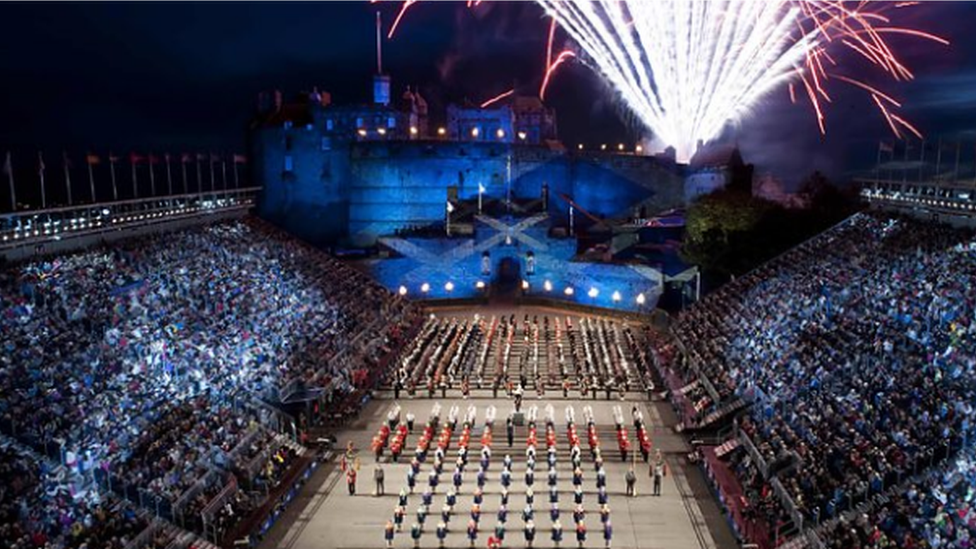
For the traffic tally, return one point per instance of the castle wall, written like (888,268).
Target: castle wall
(357,191)
(311,199)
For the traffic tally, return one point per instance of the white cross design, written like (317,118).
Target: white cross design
(444,262)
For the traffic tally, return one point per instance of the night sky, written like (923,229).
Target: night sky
(184,77)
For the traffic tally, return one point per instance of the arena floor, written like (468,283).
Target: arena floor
(685,516)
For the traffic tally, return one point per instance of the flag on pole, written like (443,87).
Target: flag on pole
(67,176)
(91,160)
(40,172)
(135,159)
(8,170)
(169,174)
(112,159)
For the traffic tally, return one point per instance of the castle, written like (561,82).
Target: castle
(349,174)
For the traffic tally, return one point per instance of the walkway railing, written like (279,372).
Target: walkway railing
(40,227)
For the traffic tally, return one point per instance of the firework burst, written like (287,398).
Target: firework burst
(689,68)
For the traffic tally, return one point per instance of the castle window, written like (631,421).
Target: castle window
(329,125)
(288,124)
(391,122)
(289,163)
(359,122)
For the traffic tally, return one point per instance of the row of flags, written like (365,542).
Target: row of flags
(134,159)
(185,158)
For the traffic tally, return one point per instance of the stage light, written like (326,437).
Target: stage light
(547,286)
(449,286)
(480,285)
(641,299)
(441,131)
(425,287)
(639,149)
(381,131)
(522,135)
(620,147)
(413,130)
(361,132)
(569,290)
(475,132)
(580,146)
(500,133)
(593,292)
(403,290)
(525,284)
(616,297)
(603,147)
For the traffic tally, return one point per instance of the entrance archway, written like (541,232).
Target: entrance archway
(508,278)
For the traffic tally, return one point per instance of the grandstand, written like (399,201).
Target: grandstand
(176,380)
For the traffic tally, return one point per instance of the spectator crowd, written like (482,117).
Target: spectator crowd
(857,352)
(134,368)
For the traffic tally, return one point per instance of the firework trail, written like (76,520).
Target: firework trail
(687,68)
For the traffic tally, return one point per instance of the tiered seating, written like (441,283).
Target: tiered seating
(857,350)
(135,365)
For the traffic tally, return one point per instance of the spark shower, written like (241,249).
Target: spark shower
(688,68)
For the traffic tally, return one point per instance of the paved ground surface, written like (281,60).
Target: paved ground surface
(686,516)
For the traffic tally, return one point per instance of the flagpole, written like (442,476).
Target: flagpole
(237,183)
(877,169)
(135,185)
(904,168)
(40,171)
(9,167)
(223,173)
(447,224)
(186,190)
(152,176)
(199,177)
(921,159)
(91,180)
(213,184)
(169,177)
(111,167)
(67,177)
(955,172)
